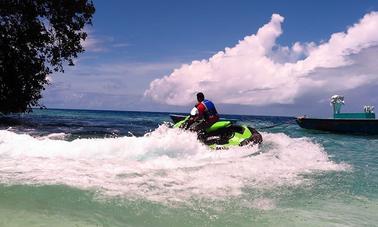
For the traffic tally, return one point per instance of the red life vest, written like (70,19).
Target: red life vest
(207,109)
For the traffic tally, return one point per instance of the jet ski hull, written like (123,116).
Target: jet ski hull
(223,134)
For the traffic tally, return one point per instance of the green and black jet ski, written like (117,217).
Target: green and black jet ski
(223,134)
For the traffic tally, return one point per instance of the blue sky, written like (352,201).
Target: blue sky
(131,43)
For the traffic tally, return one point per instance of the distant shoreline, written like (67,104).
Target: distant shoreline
(157,112)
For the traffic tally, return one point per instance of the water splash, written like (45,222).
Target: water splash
(164,165)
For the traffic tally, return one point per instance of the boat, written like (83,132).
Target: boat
(223,134)
(353,123)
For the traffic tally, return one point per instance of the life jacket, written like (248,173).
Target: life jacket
(207,109)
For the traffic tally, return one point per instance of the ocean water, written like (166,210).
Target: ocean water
(109,168)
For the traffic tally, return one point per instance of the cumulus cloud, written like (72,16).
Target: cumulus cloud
(258,71)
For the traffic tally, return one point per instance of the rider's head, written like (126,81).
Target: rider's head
(200,97)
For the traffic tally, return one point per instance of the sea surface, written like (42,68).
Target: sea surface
(113,168)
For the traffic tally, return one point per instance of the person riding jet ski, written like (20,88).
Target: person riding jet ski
(203,115)
(214,132)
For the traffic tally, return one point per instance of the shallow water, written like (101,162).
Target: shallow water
(108,168)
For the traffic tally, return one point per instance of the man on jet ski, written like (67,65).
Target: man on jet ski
(204,114)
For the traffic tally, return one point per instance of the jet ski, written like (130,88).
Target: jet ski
(223,134)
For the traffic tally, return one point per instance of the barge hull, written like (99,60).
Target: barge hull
(357,126)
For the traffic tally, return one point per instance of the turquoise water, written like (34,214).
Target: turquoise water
(107,168)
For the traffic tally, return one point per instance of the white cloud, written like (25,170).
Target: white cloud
(104,86)
(258,71)
(93,43)
(100,43)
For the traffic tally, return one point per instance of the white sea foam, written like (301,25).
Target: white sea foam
(56,136)
(164,165)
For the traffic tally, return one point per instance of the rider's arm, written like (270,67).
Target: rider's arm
(197,113)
